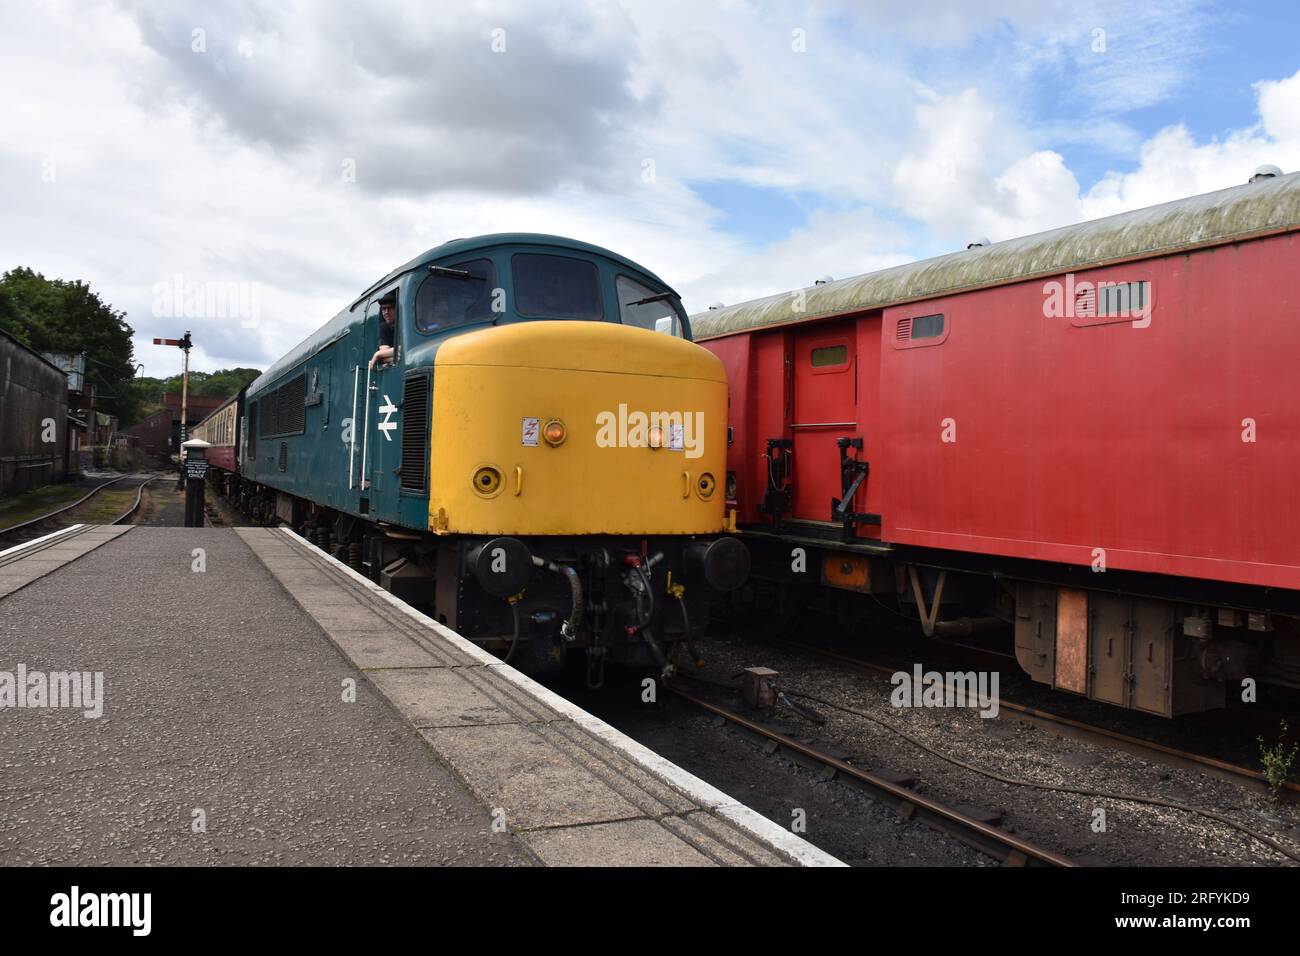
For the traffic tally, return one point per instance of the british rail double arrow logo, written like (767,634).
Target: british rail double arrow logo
(388,409)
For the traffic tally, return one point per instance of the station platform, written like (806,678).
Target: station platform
(262,703)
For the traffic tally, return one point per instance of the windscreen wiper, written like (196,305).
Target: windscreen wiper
(661,297)
(455,273)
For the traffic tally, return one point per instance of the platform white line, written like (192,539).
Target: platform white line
(35,541)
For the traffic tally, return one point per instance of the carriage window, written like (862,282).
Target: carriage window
(657,315)
(557,287)
(927,326)
(446,300)
(1123,299)
(829,355)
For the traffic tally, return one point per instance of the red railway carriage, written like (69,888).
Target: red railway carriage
(1090,434)
(221,430)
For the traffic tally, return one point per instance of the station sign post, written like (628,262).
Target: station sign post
(184,344)
(194,467)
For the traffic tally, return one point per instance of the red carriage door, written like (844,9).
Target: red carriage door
(825,409)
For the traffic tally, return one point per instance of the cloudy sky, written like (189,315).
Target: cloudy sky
(303,149)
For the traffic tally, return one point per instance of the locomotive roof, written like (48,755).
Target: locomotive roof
(455,249)
(459,247)
(1227,215)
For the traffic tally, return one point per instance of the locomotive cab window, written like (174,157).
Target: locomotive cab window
(456,295)
(645,308)
(383,312)
(556,287)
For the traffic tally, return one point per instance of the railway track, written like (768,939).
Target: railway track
(139,497)
(962,826)
(1085,732)
(50,521)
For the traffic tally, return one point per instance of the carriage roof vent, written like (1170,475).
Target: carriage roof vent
(979,242)
(823,280)
(1267,171)
(714,306)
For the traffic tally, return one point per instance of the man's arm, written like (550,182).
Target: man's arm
(382,354)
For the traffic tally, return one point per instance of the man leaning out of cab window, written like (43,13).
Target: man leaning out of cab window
(387,325)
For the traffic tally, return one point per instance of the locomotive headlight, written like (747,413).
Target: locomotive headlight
(554,432)
(655,439)
(487,480)
(705,486)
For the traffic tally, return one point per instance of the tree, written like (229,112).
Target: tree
(225,382)
(9,313)
(55,315)
(219,384)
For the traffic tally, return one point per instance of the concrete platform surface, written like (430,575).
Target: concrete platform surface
(224,735)
(575,789)
(231,730)
(24,563)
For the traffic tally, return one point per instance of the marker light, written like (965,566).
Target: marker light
(705,486)
(554,432)
(487,480)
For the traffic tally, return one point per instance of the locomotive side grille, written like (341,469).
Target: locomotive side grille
(904,330)
(415,433)
(284,455)
(284,411)
(291,399)
(266,427)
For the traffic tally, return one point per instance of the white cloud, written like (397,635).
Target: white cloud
(948,182)
(951,186)
(1173,165)
(226,165)
(1124,57)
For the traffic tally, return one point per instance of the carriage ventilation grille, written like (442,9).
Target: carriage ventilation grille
(904,330)
(1085,303)
(415,434)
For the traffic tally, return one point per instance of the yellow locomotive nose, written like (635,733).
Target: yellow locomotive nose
(593,428)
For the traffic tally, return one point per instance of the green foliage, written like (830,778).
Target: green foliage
(224,382)
(1277,760)
(219,384)
(55,315)
(9,314)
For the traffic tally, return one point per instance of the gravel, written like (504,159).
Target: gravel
(838,819)
(1134,834)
